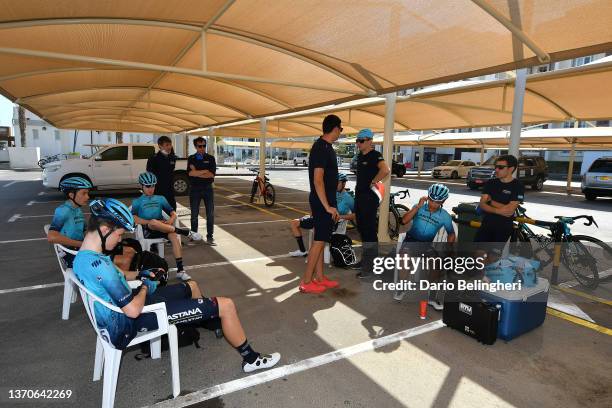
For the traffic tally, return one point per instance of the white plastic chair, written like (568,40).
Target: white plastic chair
(70,294)
(147,243)
(109,358)
(340,229)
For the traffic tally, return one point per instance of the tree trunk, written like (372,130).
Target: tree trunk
(22,125)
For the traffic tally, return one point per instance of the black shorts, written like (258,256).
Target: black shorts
(307,222)
(152,234)
(321,219)
(180,307)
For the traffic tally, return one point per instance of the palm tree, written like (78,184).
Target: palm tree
(22,124)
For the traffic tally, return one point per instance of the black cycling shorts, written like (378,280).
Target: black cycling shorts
(307,222)
(180,307)
(152,234)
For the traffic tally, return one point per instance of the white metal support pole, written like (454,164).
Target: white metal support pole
(383,211)
(570,168)
(482,152)
(212,143)
(263,127)
(517,112)
(421,160)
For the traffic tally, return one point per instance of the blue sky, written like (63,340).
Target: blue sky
(6,112)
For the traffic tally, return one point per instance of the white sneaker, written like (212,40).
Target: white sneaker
(263,361)
(195,236)
(184,276)
(436,305)
(297,253)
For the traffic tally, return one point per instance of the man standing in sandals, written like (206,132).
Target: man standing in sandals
(323,177)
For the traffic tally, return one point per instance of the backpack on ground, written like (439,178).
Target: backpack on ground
(341,249)
(187,335)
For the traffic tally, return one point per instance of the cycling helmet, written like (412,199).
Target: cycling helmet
(74,183)
(147,179)
(438,192)
(342,177)
(113,211)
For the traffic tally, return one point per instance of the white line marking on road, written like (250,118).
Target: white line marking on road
(41,193)
(25,288)
(22,240)
(234,196)
(13,218)
(572,283)
(44,202)
(248,222)
(40,216)
(11,183)
(286,370)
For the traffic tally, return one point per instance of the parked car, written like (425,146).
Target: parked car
(396,168)
(453,169)
(301,158)
(112,167)
(532,171)
(597,181)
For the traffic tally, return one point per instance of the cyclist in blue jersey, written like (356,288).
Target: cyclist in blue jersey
(184,303)
(345,206)
(148,211)
(428,217)
(68,225)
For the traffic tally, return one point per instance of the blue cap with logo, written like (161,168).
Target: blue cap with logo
(365,134)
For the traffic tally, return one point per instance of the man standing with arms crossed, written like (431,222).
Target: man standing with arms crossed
(162,165)
(371,168)
(323,177)
(202,169)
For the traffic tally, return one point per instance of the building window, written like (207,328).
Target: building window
(57,135)
(108,137)
(35,134)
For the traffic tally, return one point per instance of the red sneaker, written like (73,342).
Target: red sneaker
(328,283)
(311,287)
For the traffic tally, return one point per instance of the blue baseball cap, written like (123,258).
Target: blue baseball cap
(365,134)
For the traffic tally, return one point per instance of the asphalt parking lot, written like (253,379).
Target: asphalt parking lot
(350,347)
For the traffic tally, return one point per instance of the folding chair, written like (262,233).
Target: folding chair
(147,243)
(109,358)
(70,294)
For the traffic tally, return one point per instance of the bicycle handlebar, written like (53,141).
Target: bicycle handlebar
(570,220)
(401,194)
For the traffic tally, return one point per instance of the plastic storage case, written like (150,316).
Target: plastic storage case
(520,310)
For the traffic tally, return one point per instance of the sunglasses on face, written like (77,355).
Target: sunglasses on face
(201,146)
(148,186)
(361,140)
(500,166)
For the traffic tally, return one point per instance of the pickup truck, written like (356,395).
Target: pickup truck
(112,167)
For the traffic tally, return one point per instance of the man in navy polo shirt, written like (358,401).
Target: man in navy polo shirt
(202,168)
(323,177)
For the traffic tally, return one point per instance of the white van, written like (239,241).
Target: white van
(301,158)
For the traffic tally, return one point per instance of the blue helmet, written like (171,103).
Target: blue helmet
(342,177)
(113,211)
(74,183)
(147,179)
(438,192)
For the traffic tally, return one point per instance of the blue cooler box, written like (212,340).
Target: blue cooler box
(520,310)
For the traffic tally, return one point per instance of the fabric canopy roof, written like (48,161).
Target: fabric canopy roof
(583,93)
(168,66)
(553,139)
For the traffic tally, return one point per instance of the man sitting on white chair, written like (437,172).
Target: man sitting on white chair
(345,206)
(148,209)
(184,302)
(68,225)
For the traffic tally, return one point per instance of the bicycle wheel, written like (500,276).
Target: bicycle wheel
(395,219)
(584,256)
(253,191)
(521,245)
(269,195)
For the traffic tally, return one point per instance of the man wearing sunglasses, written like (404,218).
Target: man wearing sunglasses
(323,178)
(202,168)
(371,168)
(500,198)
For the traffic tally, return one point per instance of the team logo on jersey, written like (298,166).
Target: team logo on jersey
(506,191)
(96,263)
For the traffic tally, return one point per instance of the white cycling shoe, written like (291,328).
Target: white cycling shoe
(297,253)
(195,236)
(263,361)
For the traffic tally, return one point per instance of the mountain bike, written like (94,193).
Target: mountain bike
(582,255)
(265,189)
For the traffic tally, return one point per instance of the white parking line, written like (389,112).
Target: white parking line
(25,288)
(22,240)
(44,202)
(41,193)
(286,370)
(11,183)
(248,222)
(13,218)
